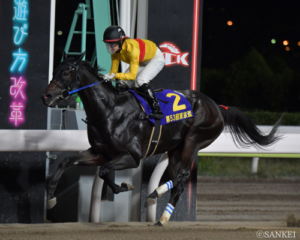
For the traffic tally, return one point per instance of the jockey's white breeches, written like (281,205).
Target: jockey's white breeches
(147,70)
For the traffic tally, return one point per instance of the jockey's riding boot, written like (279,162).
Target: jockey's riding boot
(152,101)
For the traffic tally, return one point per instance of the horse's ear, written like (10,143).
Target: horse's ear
(80,58)
(64,55)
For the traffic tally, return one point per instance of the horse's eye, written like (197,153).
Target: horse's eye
(66,73)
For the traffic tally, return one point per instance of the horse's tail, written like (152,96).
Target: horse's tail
(244,132)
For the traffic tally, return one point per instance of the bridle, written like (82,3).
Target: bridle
(65,93)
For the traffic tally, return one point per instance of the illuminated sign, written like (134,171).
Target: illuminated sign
(19,63)
(173,55)
(17,88)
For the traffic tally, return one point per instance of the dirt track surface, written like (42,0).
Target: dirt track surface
(141,231)
(233,209)
(245,199)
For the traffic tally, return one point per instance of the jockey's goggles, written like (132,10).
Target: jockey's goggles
(110,47)
(112,44)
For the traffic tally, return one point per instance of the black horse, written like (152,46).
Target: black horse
(119,135)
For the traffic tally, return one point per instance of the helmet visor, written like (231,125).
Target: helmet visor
(112,47)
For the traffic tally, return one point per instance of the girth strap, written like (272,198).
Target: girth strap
(154,139)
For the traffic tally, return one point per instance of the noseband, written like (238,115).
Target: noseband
(65,93)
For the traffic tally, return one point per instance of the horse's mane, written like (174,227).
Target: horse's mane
(94,70)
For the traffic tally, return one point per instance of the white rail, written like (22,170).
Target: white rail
(76,140)
(43,140)
(289,144)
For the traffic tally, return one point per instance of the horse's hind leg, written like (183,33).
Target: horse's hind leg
(179,166)
(177,184)
(175,156)
(83,158)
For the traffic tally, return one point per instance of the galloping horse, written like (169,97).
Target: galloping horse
(119,133)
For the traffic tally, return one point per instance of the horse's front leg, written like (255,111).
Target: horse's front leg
(87,158)
(122,161)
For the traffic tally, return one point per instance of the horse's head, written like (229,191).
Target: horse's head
(66,77)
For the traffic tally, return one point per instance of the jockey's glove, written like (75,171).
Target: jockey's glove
(109,76)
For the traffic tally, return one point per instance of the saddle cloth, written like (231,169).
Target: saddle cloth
(178,107)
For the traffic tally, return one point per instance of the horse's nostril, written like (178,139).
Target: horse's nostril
(45,96)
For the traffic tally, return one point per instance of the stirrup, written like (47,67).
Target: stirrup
(157,116)
(154,116)
(156,111)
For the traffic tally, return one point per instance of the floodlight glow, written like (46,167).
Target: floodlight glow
(273,41)
(229,23)
(285,42)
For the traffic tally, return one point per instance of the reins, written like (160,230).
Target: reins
(65,93)
(77,90)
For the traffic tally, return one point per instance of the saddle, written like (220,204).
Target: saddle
(174,105)
(156,129)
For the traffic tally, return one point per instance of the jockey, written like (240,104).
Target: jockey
(145,60)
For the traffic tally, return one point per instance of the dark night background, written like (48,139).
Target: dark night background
(240,65)
(255,23)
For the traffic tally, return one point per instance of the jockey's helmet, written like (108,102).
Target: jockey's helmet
(112,37)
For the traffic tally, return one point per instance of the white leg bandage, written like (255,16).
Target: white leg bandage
(167,214)
(164,188)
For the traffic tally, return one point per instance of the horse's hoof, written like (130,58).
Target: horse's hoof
(129,186)
(150,202)
(158,224)
(51,203)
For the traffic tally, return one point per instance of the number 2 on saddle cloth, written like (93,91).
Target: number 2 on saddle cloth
(174,106)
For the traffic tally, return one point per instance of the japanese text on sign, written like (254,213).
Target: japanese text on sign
(19,62)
